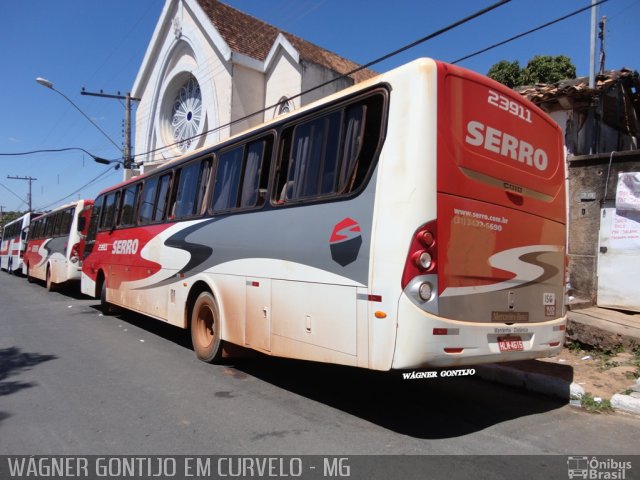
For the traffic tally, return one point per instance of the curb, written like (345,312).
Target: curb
(626,403)
(550,386)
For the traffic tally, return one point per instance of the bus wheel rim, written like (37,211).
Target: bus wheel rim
(205,326)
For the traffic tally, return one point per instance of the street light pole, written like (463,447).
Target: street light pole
(46,83)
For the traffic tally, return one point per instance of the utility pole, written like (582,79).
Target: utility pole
(592,56)
(30,180)
(126,149)
(603,26)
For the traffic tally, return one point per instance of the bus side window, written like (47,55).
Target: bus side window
(314,157)
(93,226)
(43,227)
(191,185)
(227,179)
(128,206)
(160,211)
(367,138)
(331,154)
(148,200)
(50,225)
(352,146)
(67,219)
(109,211)
(255,176)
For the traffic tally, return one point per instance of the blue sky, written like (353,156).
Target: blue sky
(100,45)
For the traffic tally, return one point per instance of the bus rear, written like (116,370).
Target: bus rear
(488,270)
(12,246)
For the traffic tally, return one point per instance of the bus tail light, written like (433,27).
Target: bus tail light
(75,253)
(422,257)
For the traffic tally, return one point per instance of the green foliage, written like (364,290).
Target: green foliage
(548,69)
(507,73)
(590,404)
(9,217)
(540,69)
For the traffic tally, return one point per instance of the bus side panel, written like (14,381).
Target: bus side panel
(315,313)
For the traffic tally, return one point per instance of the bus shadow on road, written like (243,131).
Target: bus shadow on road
(427,408)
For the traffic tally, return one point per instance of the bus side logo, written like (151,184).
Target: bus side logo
(345,241)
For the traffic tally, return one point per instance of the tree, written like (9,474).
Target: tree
(9,217)
(548,69)
(507,73)
(540,69)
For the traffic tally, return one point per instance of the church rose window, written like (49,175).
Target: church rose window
(186,114)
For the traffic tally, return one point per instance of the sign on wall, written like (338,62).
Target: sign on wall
(625,227)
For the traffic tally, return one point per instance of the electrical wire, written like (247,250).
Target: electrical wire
(90,182)
(49,150)
(495,45)
(13,193)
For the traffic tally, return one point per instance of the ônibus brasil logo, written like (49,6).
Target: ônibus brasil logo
(345,241)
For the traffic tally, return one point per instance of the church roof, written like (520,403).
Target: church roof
(253,37)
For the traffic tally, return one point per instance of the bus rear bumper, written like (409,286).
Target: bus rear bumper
(425,340)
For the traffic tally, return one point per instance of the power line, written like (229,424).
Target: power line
(51,150)
(13,193)
(93,180)
(495,45)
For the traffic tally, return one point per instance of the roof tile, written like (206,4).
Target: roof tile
(253,37)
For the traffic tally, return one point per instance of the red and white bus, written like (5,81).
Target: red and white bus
(55,244)
(14,236)
(415,219)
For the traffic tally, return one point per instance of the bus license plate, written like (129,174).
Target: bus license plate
(511,343)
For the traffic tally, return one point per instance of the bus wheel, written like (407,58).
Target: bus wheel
(205,328)
(106,307)
(50,285)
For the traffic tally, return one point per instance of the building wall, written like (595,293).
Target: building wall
(313,75)
(247,98)
(587,179)
(283,80)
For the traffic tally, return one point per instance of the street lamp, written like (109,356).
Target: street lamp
(46,83)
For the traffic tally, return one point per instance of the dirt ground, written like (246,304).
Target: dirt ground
(600,374)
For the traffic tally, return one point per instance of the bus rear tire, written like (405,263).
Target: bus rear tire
(51,287)
(205,328)
(106,307)
(30,279)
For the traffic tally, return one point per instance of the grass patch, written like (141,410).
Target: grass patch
(590,404)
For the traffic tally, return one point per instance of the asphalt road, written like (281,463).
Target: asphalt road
(75,382)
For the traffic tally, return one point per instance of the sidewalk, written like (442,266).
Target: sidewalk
(601,328)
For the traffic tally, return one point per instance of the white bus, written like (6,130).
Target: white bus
(415,219)
(14,235)
(55,244)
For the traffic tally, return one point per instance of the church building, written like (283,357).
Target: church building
(209,68)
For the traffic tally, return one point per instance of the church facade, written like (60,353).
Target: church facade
(211,71)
